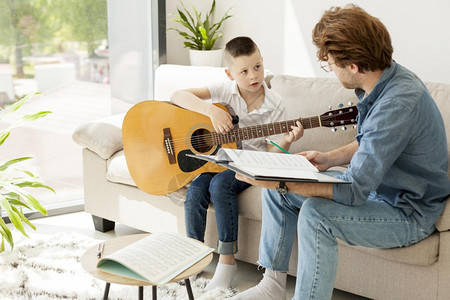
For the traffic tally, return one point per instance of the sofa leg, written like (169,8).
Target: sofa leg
(103,225)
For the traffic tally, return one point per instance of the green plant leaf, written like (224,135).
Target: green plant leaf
(31,200)
(202,33)
(213,6)
(13,187)
(6,234)
(3,136)
(7,164)
(13,216)
(35,116)
(34,184)
(15,202)
(18,104)
(23,218)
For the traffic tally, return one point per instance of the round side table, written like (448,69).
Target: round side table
(89,262)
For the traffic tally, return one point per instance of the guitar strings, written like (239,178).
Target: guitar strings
(247,133)
(207,139)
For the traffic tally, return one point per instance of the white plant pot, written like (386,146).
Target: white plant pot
(211,58)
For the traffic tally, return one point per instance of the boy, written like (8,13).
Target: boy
(246,95)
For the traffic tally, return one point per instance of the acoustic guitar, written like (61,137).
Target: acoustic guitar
(157,136)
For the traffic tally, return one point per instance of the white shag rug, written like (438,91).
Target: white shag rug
(48,267)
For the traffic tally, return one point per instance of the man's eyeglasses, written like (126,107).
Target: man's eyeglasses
(326,66)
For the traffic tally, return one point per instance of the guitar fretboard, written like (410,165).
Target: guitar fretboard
(264,130)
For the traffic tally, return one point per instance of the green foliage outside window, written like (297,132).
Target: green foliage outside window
(44,26)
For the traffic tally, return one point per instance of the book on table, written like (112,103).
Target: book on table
(260,165)
(157,258)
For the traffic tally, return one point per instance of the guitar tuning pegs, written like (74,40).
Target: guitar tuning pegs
(341,105)
(344,128)
(333,129)
(350,103)
(355,126)
(330,107)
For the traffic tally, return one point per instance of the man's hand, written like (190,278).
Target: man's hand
(318,159)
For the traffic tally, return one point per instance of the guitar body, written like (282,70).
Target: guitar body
(157,163)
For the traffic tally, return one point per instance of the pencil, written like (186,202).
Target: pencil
(273,143)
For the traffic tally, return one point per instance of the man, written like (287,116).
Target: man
(397,166)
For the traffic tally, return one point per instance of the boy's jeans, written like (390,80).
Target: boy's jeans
(319,222)
(221,189)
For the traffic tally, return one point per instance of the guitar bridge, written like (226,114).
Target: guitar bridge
(168,145)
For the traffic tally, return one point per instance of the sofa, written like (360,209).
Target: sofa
(421,271)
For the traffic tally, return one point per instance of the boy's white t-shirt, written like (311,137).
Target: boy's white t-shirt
(272,110)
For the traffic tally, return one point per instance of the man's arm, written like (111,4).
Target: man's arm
(343,155)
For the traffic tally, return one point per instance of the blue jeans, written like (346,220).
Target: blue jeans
(221,189)
(317,224)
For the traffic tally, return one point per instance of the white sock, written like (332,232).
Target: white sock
(272,286)
(223,276)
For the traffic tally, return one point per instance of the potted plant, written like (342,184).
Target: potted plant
(201,34)
(14,183)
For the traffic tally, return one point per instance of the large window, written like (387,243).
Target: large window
(58,48)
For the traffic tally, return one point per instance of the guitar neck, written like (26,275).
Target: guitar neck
(264,130)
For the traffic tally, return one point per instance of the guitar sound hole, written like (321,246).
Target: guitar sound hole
(201,140)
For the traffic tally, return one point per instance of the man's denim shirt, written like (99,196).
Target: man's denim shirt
(402,156)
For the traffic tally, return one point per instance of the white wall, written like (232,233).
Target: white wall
(420,32)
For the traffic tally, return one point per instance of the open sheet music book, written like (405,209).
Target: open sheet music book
(262,165)
(158,258)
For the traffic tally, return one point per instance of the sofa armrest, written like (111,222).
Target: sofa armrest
(443,222)
(102,136)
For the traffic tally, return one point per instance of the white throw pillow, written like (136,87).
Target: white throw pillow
(103,136)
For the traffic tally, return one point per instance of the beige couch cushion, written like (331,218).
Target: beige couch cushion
(308,97)
(423,254)
(117,170)
(443,222)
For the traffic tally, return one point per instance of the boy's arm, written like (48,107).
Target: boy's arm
(193,99)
